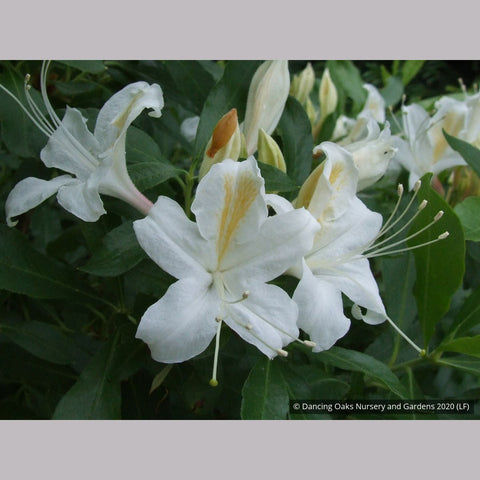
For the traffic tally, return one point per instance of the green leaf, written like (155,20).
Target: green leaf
(41,339)
(393,91)
(147,175)
(230,92)
(119,252)
(346,76)
(410,69)
(24,270)
(275,179)
(89,66)
(71,89)
(467,345)
(469,214)
(19,134)
(441,265)
(469,315)
(297,141)
(464,365)
(141,148)
(193,80)
(264,394)
(96,395)
(359,362)
(469,153)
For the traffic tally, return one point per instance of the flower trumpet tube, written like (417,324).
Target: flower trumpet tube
(96,162)
(222,263)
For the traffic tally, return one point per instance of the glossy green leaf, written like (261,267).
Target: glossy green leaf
(275,179)
(297,141)
(466,345)
(359,362)
(230,92)
(192,79)
(469,153)
(469,315)
(393,91)
(24,270)
(89,66)
(347,77)
(148,175)
(41,339)
(96,395)
(460,363)
(264,394)
(140,148)
(118,252)
(410,69)
(469,214)
(439,266)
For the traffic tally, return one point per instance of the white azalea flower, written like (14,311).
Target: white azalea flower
(335,263)
(96,161)
(222,263)
(426,149)
(338,261)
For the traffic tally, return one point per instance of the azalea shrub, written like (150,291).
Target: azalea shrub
(238,239)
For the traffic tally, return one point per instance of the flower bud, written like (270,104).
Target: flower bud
(375,104)
(464,183)
(267,95)
(269,151)
(302,84)
(327,95)
(225,142)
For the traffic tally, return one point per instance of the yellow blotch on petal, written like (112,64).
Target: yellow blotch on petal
(240,192)
(308,188)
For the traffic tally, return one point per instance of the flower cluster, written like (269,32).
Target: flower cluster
(243,238)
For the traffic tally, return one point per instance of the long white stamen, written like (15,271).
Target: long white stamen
(279,351)
(25,110)
(244,296)
(422,205)
(442,236)
(421,351)
(34,107)
(426,227)
(43,89)
(386,227)
(213,381)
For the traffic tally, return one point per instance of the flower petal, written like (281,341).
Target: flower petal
(271,317)
(320,311)
(122,108)
(345,238)
(82,199)
(182,323)
(356,281)
(72,147)
(172,241)
(282,242)
(230,204)
(30,192)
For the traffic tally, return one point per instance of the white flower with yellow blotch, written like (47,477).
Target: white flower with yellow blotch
(96,161)
(222,263)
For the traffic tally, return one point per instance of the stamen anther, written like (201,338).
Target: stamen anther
(417,186)
(443,236)
(309,343)
(400,189)
(282,352)
(423,204)
(438,216)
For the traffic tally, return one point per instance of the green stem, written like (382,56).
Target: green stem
(188,191)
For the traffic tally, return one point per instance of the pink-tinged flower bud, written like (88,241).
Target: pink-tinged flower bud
(266,100)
